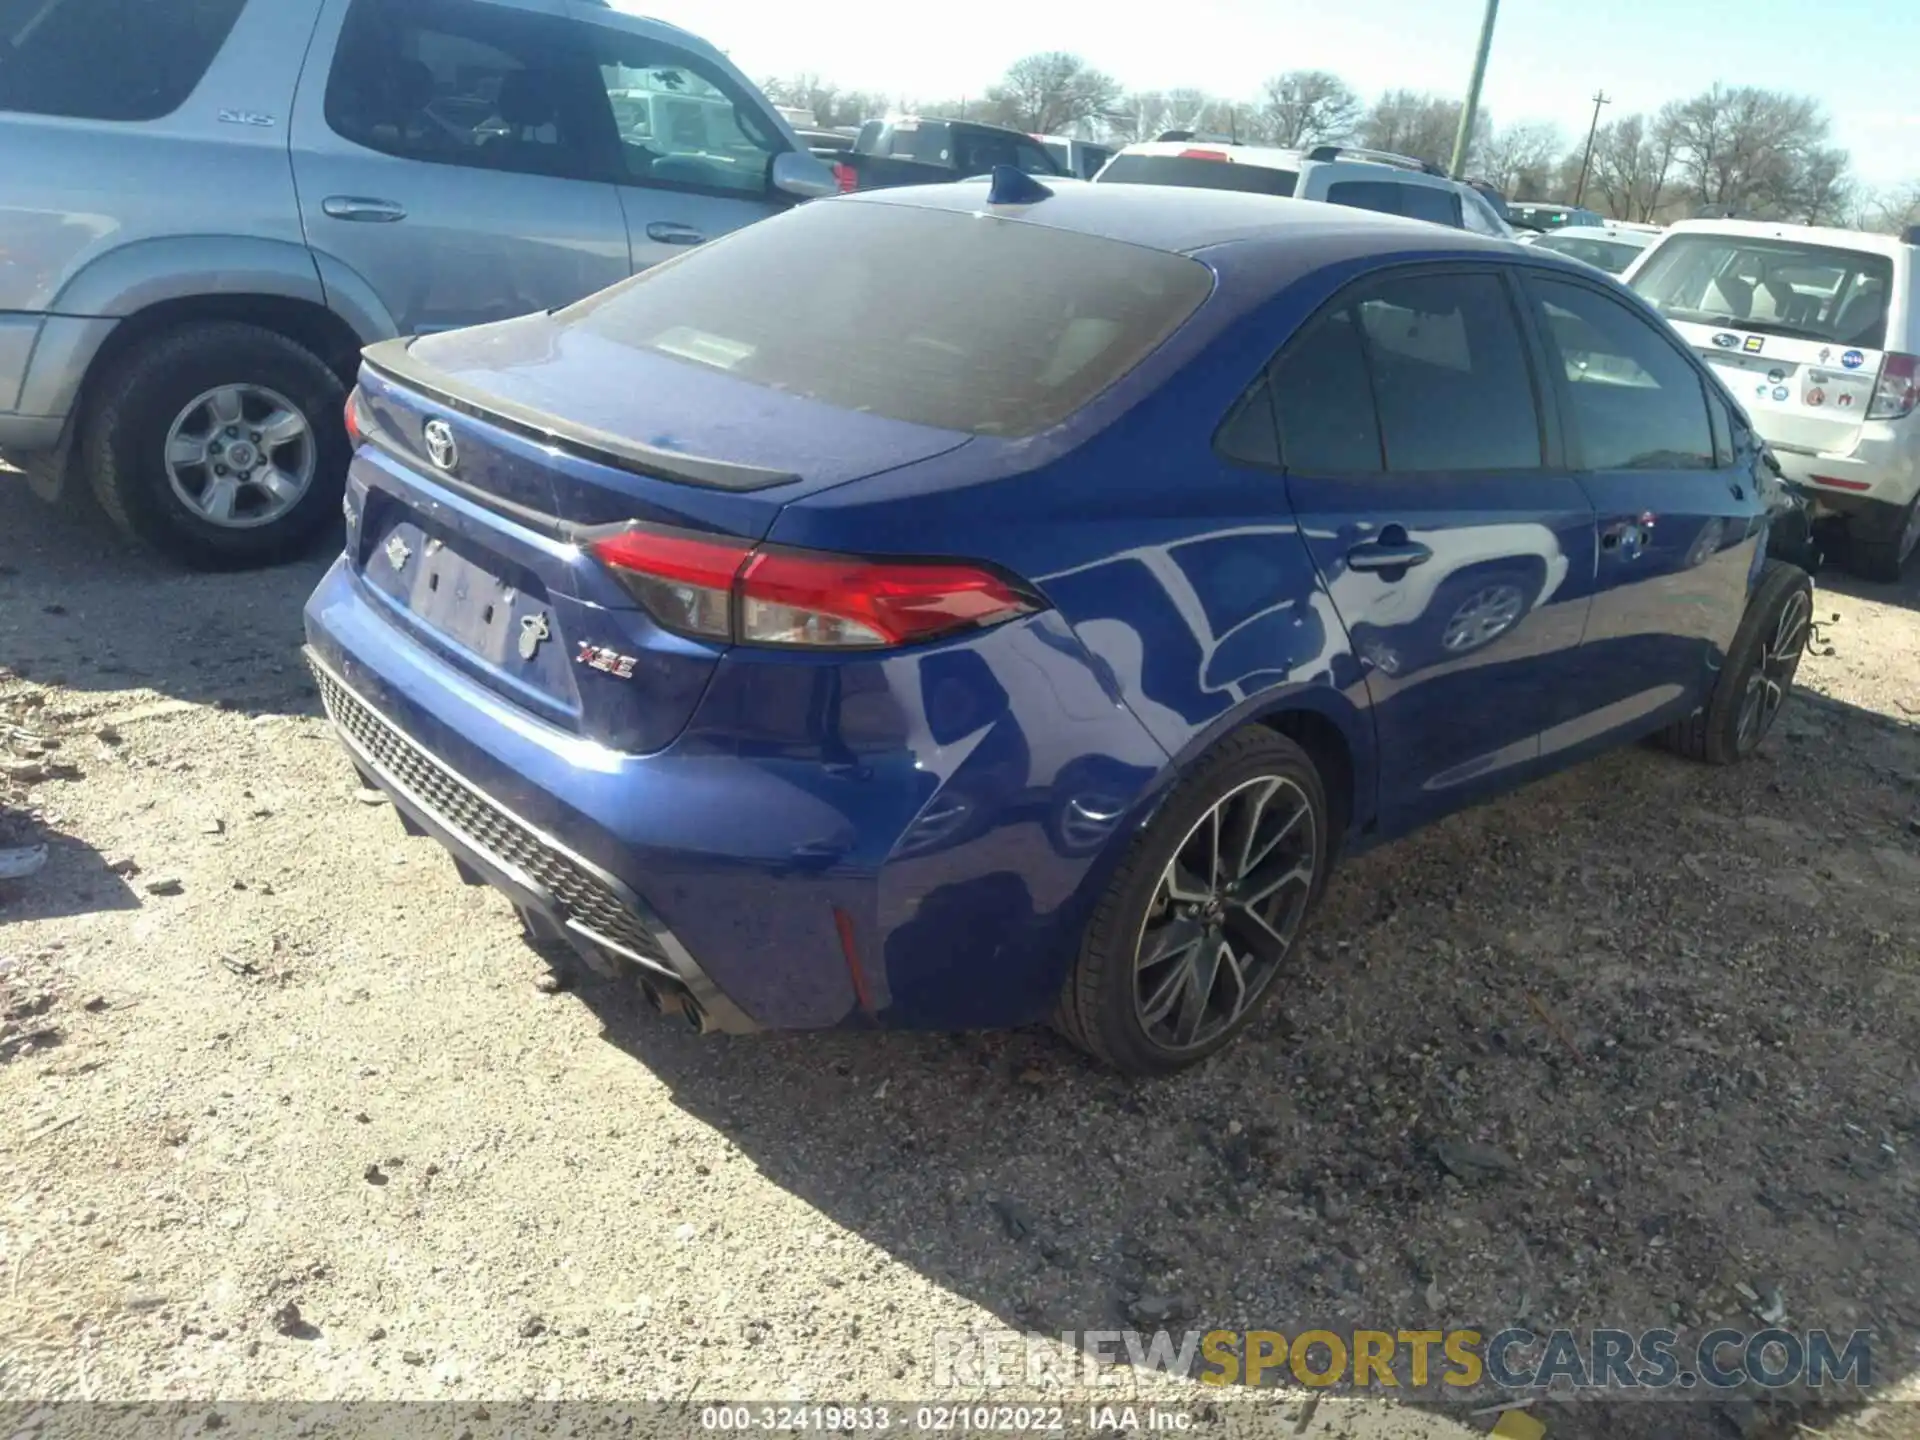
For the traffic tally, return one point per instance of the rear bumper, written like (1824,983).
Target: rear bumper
(1882,472)
(961,868)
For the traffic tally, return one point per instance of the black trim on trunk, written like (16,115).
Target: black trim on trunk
(393,360)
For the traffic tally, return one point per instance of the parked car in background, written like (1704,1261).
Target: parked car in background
(1079,158)
(1364,179)
(918,150)
(1543,215)
(1605,247)
(209,208)
(1816,331)
(902,690)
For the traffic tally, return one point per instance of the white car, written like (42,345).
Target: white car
(1611,248)
(1816,332)
(1339,175)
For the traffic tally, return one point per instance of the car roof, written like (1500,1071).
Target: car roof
(1183,220)
(1828,235)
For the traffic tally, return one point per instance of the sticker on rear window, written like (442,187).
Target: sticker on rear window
(1844,401)
(1726,341)
(1853,359)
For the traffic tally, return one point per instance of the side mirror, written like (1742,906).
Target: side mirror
(797,173)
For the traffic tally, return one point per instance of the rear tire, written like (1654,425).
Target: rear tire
(145,410)
(1882,558)
(1759,671)
(1176,962)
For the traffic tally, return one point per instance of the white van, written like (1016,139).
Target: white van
(1816,333)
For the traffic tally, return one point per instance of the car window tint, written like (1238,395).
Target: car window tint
(1365,195)
(1637,403)
(463,84)
(1247,434)
(1323,400)
(1198,174)
(1449,373)
(1722,422)
(683,125)
(1027,324)
(1430,203)
(108,59)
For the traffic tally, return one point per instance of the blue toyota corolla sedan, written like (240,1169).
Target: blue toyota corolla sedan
(969,606)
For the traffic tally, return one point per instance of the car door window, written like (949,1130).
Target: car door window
(107,59)
(454,83)
(1247,434)
(682,124)
(1635,402)
(1390,197)
(1323,400)
(1450,374)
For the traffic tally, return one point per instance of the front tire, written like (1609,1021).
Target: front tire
(219,444)
(1204,911)
(1758,674)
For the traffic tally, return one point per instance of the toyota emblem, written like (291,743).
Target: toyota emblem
(440,447)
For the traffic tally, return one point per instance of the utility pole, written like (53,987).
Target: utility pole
(1463,141)
(1600,97)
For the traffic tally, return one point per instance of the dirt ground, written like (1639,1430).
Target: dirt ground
(262,1050)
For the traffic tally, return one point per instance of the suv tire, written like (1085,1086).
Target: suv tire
(1881,558)
(1257,781)
(1759,669)
(146,406)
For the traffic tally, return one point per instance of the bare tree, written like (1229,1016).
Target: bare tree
(1746,150)
(1518,159)
(1408,122)
(1050,92)
(1307,107)
(830,104)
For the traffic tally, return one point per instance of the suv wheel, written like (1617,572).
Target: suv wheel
(220,445)
(1202,915)
(1758,673)
(1883,558)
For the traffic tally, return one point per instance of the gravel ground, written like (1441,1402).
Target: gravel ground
(293,1114)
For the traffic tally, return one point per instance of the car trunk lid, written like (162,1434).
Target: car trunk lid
(1802,394)
(493,454)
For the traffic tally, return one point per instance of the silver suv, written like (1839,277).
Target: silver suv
(210,206)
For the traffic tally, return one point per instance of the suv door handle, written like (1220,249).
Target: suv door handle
(669,232)
(360,207)
(1388,554)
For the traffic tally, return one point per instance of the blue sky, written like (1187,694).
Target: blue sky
(1856,56)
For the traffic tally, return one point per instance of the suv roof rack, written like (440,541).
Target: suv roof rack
(1378,157)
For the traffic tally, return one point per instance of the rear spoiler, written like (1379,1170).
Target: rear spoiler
(393,360)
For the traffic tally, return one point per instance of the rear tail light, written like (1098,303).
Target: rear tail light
(1899,388)
(356,431)
(846,177)
(1205,155)
(725,590)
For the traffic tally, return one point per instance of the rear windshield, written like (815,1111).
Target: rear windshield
(1199,174)
(1609,255)
(989,325)
(1781,287)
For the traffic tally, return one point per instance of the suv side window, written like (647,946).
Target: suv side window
(108,59)
(455,83)
(682,124)
(1391,197)
(1450,373)
(1636,403)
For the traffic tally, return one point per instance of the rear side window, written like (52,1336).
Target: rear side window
(1199,174)
(1637,402)
(1416,202)
(1450,374)
(1027,324)
(1323,400)
(108,59)
(462,84)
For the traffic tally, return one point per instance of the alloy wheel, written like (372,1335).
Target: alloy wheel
(1224,913)
(1482,618)
(1767,686)
(240,456)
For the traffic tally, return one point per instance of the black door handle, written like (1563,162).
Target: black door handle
(1388,554)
